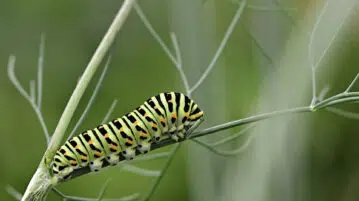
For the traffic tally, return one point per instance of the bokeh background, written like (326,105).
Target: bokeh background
(263,67)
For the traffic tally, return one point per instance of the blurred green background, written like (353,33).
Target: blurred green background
(140,69)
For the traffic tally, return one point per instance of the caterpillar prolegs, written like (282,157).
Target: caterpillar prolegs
(166,115)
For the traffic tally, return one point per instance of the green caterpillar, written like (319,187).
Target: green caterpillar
(165,115)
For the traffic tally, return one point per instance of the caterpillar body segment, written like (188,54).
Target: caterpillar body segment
(140,132)
(166,115)
(126,138)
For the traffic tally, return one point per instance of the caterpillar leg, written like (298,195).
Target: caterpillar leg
(144,147)
(129,153)
(113,159)
(96,164)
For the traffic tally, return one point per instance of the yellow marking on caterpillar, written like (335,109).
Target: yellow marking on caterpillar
(154,125)
(97,153)
(113,147)
(130,142)
(83,157)
(90,142)
(174,115)
(163,120)
(155,107)
(144,134)
(106,135)
(187,114)
(121,129)
(145,115)
(135,123)
(73,162)
(170,101)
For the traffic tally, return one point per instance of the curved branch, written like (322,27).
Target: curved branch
(223,43)
(16,83)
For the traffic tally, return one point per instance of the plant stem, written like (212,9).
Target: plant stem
(40,183)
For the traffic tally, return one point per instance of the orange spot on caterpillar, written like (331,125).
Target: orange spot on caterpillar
(106,135)
(77,147)
(135,123)
(90,142)
(187,114)
(73,162)
(170,101)
(130,142)
(145,115)
(113,147)
(97,153)
(154,125)
(121,129)
(155,107)
(144,134)
(174,115)
(163,120)
(83,157)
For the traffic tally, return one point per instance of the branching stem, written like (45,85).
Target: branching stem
(40,183)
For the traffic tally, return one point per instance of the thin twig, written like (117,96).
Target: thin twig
(340,101)
(103,190)
(343,113)
(75,198)
(92,99)
(352,84)
(109,112)
(342,95)
(40,69)
(13,192)
(86,77)
(154,33)
(333,37)
(247,120)
(16,83)
(140,171)
(259,46)
(221,46)
(217,151)
(285,12)
(234,136)
(310,54)
(312,34)
(32,90)
(163,171)
(179,62)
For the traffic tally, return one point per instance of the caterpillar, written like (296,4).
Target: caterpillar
(166,115)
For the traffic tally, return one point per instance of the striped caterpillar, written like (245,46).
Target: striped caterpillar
(166,115)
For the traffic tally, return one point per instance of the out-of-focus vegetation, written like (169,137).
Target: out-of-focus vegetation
(140,69)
